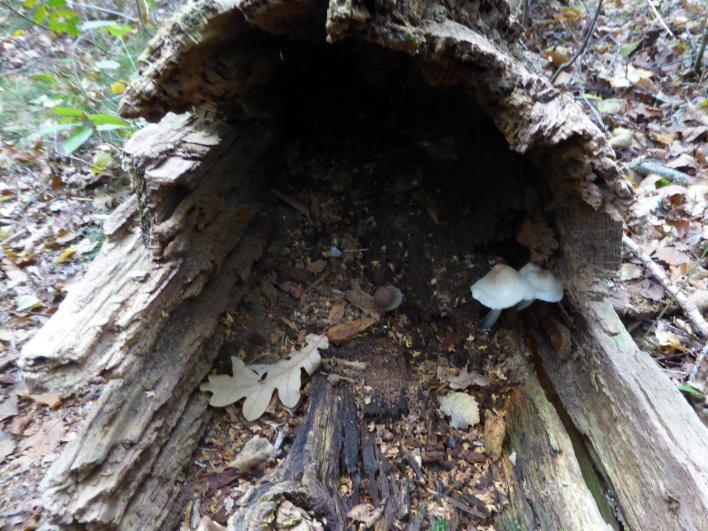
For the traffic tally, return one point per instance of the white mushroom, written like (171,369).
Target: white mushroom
(544,285)
(503,287)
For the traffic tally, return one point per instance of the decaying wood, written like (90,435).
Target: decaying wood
(649,444)
(117,453)
(192,210)
(157,501)
(687,305)
(470,48)
(329,442)
(147,318)
(547,489)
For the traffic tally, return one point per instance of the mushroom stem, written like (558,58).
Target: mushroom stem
(488,320)
(524,304)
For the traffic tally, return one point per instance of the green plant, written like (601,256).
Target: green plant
(72,95)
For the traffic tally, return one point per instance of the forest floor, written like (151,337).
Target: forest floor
(635,80)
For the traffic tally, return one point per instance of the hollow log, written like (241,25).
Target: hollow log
(146,317)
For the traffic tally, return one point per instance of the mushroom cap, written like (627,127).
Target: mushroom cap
(544,284)
(387,298)
(502,287)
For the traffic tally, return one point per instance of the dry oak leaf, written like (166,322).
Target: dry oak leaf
(256,383)
(464,379)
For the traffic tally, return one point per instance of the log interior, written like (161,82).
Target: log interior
(417,167)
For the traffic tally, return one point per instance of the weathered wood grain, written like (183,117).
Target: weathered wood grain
(648,442)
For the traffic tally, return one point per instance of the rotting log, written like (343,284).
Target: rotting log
(116,455)
(312,469)
(329,442)
(148,321)
(546,486)
(649,446)
(192,204)
(131,319)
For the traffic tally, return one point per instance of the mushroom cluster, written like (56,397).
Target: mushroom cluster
(504,287)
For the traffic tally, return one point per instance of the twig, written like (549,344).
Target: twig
(594,112)
(582,48)
(334,379)
(697,364)
(106,10)
(645,167)
(410,458)
(525,19)
(142,17)
(127,52)
(472,511)
(698,63)
(658,16)
(689,308)
(14,237)
(294,203)
(350,364)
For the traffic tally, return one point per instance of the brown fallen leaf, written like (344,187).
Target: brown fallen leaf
(493,437)
(336,312)
(463,379)
(291,288)
(317,266)
(672,256)
(651,290)
(346,331)
(358,298)
(53,400)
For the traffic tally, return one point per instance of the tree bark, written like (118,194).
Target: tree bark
(647,441)
(546,486)
(330,442)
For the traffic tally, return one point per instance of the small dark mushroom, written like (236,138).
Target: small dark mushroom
(387,298)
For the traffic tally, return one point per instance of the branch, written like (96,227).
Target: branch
(698,64)
(688,307)
(582,49)
(697,364)
(658,16)
(645,167)
(107,11)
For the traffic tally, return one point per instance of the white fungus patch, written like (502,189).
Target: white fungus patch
(461,408)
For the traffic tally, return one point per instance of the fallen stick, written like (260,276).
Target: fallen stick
(697,364)
(645,167)
(658,16)
(689,308)
(582,48)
